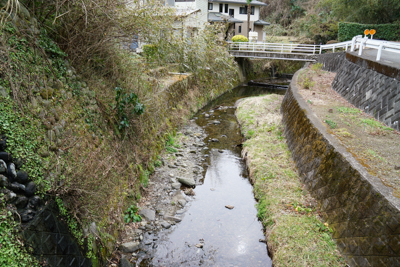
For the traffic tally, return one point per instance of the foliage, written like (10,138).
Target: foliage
(307,83)
(240,38)
(170,145)
(349,110)
(317,66)
(390,32)
(125,101)
(150,51)
(131,214)
(22,141)
(13,253)
(364,11)
(331,123)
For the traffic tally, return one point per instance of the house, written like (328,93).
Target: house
(234,12)
(237,9)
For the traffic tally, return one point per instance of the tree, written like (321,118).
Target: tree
(364,11)
(248,16)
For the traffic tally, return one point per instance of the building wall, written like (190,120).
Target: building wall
(202,16)
(236,8)
(185,5)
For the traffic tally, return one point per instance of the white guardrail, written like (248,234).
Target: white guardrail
(282,48)
(362,43)
(307,49)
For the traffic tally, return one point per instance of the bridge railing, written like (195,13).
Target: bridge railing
(345,45)
(380,45)
(281,48)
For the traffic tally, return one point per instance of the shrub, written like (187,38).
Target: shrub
(150,51)
(348,30)
(239,38)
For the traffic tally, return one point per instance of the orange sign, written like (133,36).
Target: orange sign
(366,32)
(372,32)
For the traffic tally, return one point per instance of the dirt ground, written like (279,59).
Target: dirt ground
(372,143)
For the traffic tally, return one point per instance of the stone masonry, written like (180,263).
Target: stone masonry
(361,210)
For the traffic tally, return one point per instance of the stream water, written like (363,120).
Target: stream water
(229,237)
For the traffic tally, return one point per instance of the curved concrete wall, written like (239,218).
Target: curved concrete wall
(362,212)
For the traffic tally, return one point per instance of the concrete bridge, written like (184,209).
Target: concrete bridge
(283,51)
(307,52)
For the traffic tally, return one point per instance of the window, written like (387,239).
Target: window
(221,8)
(210,6)
(240,29)
(226,8)
(243,10)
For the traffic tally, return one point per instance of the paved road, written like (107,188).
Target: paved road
(387,58)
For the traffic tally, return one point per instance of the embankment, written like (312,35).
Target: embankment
(362,212)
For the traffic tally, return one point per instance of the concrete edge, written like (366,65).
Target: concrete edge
(316,122)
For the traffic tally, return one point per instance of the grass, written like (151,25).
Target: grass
(295,233)
(13,253)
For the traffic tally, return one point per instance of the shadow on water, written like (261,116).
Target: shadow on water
(230,237)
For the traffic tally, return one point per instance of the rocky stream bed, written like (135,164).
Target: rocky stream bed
(199,208)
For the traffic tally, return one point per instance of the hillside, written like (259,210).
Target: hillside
(86,118)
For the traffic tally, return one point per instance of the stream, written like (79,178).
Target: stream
(210,234)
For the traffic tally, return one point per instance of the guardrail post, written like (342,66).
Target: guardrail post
(361,47)
(333,49)
(320,49)
(353,44)
(313,50)
(347,44)
(378,55)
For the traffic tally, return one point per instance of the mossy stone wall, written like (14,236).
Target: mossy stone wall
(362,212)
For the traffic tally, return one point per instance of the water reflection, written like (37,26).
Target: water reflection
(230,236)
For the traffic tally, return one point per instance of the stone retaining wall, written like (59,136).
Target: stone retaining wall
(368,85)
(361,210)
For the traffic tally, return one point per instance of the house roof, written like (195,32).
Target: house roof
(261,22)
(218,17)
(239,2)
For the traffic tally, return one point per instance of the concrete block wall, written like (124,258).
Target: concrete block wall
(364,215)
(51,241)
(367,85)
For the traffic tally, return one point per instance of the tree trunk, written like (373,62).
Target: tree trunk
(248,19)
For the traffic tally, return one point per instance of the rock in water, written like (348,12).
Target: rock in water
(148,214)
(229,207)
(187,181)
(176,185)
(165,225)
(129,247)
